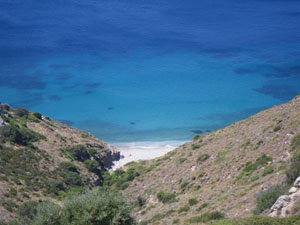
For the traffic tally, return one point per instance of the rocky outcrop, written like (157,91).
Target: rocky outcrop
(287,205)
(2,123)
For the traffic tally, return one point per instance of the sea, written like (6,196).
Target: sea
(141,71)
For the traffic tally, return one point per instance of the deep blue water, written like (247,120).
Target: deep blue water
(139,70)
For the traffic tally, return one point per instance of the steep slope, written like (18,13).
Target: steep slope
(220,171)
(42,159)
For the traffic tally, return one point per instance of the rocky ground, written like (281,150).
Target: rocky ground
(220,171)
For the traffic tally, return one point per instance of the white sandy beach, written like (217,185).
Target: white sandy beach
(134,151)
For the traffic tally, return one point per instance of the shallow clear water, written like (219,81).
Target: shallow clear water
(132,71)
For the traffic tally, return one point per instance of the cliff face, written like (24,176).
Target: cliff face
(43,159)
(221,171)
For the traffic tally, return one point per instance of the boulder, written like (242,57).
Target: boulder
(297,183)
(285,204)
(2,123)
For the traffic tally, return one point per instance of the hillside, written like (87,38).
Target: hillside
(220,171)
(42,159)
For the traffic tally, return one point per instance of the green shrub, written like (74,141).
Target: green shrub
(193,201)
(92,152)
(203,206)
(68,166)
(185,208)
(259,220)
(267,171)
(203,157)
(96,207)
(9,205)
(5,107)
(28,210)
(37,115)
(261,161)
(277,128)
(92,166)
(181,160)
(195,146)
(294,169)
(267,198)
(72,178)
(48,213)
(119,179)
(93,207)
(197,137)
(21,112)
(21,136)
(296,143)
(184,185)
(165,197)
(206,217)
(141,201)
(78,152)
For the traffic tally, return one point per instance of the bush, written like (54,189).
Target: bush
(28,210)
(5,107)
(93,207)
(259,220)
(165,197)
(267,198)
(92,166)
(185,208)
(277,128)
(68,166)
(294,169)
(37,115)
(296,143)
(193,201)
(78,152)
(96,207)
(197,137)
(21,112)
(21,136)
(181,160)
(267,171)
(48,213)
(202,158)
(206,217)
(72,178)
(9,205)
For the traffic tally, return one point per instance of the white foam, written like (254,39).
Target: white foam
(134,151)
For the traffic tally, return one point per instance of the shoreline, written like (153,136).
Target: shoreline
(135,151)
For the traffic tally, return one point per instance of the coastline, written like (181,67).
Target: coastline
(135,151)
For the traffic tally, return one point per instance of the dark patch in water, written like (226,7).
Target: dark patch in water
(74,86)
(93,85)
(68,122)
(197,131)
(88,92)
(282,92)
(22,82)
(29,101)
(60,66)
(132,123)
(207,131)
(54,98)
(63,77)
(110,108)
(243,71)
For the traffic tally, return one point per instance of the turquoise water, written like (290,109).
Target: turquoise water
(149,71)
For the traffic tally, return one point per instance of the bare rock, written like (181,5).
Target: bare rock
(297,183)
(2,123)
(293,190)
(278,208)
(285,204)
